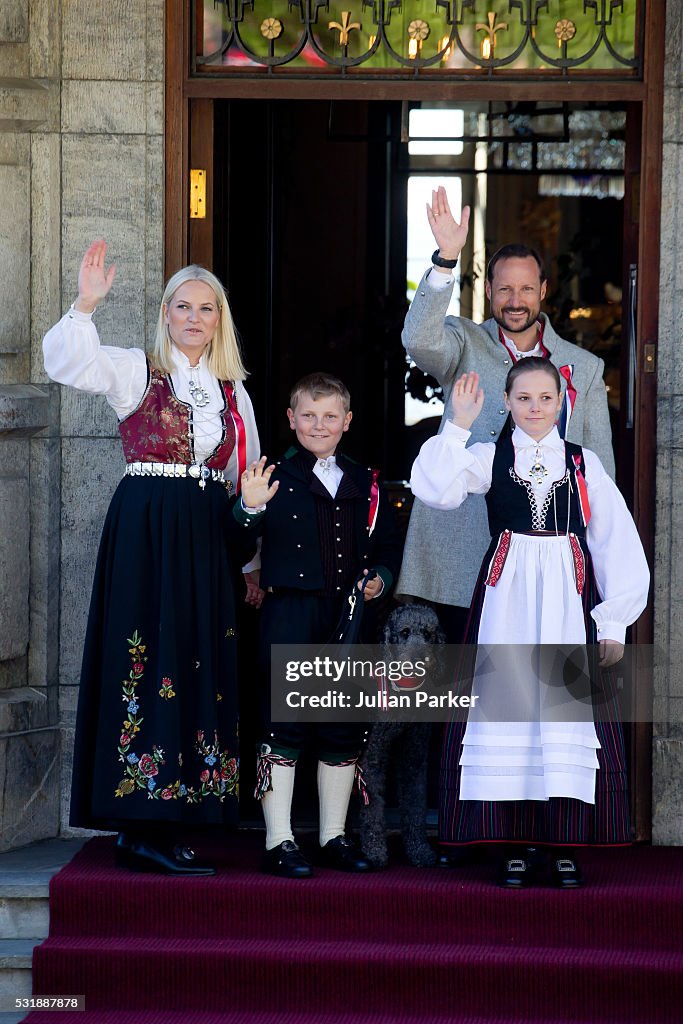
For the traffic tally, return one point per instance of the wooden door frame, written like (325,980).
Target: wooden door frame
(189,128)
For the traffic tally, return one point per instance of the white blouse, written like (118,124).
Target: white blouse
(445,472)
(74,356)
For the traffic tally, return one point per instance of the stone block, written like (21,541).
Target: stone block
(91,469)
(154,108)
(105,196)
(46,299)
(29,787)
(14,565)
(104,107)
(24,410)
(667,792)
(15,148)
(23,709)
(673,44)
(65,792)
(12,673)
(669,371)
(105,40)
(14,21)
(45,39)
(154,241)
(43,660)
(15,257)
(671,129)
(155,57)
(26,105)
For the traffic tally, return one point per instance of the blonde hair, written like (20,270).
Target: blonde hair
(319,385)
(224,359)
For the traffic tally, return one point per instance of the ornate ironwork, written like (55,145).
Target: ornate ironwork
(387,38)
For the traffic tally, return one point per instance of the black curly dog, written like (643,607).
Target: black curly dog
(415,626)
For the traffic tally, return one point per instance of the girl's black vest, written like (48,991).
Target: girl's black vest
(509,503)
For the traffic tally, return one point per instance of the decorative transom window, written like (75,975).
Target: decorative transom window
(514,39)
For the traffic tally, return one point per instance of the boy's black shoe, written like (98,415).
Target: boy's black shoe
(342,854)
(286,861)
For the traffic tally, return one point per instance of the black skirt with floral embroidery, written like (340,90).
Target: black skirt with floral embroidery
(156,731)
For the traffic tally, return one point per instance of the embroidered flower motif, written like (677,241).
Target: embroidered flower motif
(141,771)
(166,690)
(147,766)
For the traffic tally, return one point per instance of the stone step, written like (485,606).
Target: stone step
(24,912)
(25,876)
(15,970)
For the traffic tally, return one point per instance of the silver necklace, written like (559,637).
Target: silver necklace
(199,395)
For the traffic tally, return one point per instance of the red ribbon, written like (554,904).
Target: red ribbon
(374,501)
(240,435)
(584,503)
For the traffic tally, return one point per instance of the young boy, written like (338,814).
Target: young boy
(321,531)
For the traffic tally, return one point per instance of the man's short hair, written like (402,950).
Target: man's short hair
(514,251)
(319,385)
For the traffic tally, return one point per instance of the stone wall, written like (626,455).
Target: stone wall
(81,157)
(668,575)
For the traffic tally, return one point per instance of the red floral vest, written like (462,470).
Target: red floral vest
(160,429)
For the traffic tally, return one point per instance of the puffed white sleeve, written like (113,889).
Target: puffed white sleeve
(74,356)
(621,570)
(253,452)
(446,471)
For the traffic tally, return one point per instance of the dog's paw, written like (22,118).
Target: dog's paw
(421,855)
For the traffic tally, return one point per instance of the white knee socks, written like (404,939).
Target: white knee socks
(335,783)
(277,806)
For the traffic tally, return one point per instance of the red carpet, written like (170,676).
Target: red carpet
(403,945)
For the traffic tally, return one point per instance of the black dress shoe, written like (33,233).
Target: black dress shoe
(516,870)
(141,855)
(566,873)
(343,855)
(286,861)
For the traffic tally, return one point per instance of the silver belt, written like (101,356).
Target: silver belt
(197,471)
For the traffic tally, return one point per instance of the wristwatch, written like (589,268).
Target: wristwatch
(439,261)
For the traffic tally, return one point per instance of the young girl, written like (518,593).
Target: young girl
(565,567)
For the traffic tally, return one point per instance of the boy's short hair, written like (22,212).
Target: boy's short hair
(319,385)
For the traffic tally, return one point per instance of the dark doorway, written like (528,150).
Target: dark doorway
(314,253)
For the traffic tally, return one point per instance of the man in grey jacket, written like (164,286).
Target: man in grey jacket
(443,550)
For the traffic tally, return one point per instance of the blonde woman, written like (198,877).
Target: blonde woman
(156,736)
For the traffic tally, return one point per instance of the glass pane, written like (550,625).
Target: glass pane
(371,36)
(420,246)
